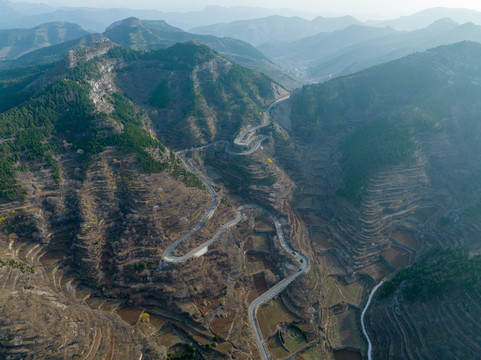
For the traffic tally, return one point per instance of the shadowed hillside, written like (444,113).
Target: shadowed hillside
(388,168)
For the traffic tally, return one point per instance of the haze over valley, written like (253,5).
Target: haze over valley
(208,182)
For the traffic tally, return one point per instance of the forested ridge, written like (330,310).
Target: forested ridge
(439,271)
(32,128)
(36,128)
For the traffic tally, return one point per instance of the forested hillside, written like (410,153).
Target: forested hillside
(17,42)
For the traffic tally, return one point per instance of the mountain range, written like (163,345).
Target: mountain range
(27,15)
(309,59)
(136,34)
(357,47)
(275,28)
(172,195)
(17,42)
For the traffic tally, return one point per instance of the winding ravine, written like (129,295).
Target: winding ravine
(369,343)
(202,249)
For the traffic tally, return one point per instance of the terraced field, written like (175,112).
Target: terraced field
(405,207)
(420,329)
(64,325)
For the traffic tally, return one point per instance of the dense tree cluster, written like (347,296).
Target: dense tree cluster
(23,267)
(14,89)
(10,190)
(439,271)
(371,147)
(190,354)
(134,139)
(160,97)
(181,56)
(64,108)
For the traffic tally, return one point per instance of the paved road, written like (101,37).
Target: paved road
(369,343)
(240,139)
(276,289)
(200,250)
(244,139)
(168,256)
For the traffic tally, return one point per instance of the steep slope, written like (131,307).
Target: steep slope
(386,170)
(444,281)
(15,43)
(18,85)
(91,199)
(190,92)
(275,28)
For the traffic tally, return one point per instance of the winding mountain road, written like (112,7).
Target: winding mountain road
(168,256)
(363,325)
(244,139)
(276,289)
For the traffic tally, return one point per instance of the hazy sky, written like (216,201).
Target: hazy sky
(360,8)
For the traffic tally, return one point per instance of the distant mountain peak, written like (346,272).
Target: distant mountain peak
(345,17)
(130,21)
(426,17)
(17,42)
(469,25)
(134,22)
(275,28)
(443,22)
